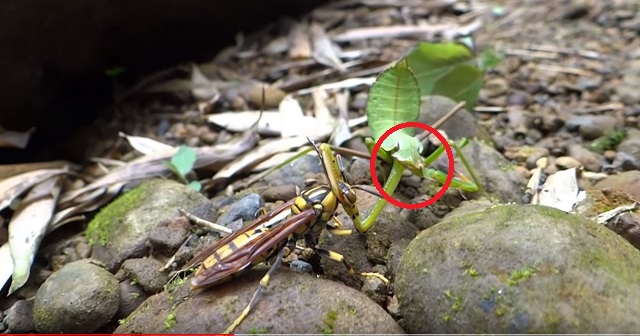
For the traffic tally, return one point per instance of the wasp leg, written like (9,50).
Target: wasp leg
(261,212)
(291,243)
(336,228)
(310,241)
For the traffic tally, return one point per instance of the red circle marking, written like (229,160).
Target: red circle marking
(376,148)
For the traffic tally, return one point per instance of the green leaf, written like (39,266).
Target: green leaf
(462,83)
(183,160)
(446,69)
(432,61)
(195,185)
(394,98)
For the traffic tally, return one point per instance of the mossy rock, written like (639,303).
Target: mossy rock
(120,230)
(519,269)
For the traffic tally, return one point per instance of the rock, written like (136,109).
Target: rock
(591,127)
(496,173)
(628,182)
(567,162)
(364,251)
(461,125)
(375,289)
(424,218)
(167,237)
(79,298)
(519,98)
(245,209)
(145,272)
(19,318)
(591,161)
(301,266)
(131,296)
(293,173)
(279,193)
(495,87)
(293,303)
(121,229)
(519,269)
(631,147)
(394,255)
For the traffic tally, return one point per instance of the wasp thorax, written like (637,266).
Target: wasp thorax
(347,192)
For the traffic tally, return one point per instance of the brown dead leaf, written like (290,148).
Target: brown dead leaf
(15,169)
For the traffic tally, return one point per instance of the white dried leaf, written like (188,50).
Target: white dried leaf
(561,191)
(15,139)
(205,91)
(13,187)
(291,118)
(145,145)
(7,264)
(28,226)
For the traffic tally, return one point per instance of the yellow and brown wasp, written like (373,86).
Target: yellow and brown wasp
(275,233)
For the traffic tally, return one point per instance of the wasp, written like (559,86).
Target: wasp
(275,233)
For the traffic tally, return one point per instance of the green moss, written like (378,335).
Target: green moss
(174,284)
(520,275)
(102,224)
(472,272)
(257,331)
(170,321)
(329,320)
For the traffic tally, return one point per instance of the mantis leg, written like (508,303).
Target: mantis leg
(441,177)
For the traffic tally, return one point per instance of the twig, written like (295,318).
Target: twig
(205,223)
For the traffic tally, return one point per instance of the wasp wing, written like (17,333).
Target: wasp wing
(200,257)
(253,251)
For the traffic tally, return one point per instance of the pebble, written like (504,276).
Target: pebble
(591,127)
(495,87)
(301,266)
(167,237)
(591,161)
(519,98)
(79,298)
(146,272)
(632,148)
(131,296)
(244,209)
(19,318)
(567,162)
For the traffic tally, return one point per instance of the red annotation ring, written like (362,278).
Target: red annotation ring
(374,153)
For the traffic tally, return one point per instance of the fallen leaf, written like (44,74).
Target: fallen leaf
(153,165)
(259,154)
(342,133)
(324,51)
(300,47)
(19,168)
(560,190)
(7,264)
(15,139)
(145,145)
(28,226)
(206,92)
(14,186)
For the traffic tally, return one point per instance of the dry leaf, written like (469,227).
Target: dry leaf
(560,190)
(7,264)
(275,160)
(343,84)
(153,165)
(15,139)
(19,168)
(85,203)
(300,47)
(13,187)
(258,155)
(206,92)
(342,133)
(28,226)
(145,145)
(324,51)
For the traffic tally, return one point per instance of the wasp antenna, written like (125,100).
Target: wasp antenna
(341,167)
(367,190)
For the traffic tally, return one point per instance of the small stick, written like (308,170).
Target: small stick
(206,223)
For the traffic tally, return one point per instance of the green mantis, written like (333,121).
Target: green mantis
(395,98)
